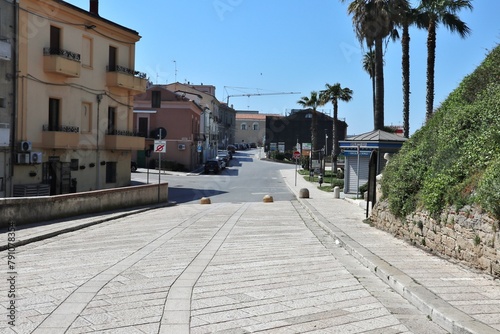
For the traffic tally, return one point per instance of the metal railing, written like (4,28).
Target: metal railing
(61,52)
(61,128)
(124,133)
(125,70)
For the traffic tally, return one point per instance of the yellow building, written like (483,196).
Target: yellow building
(75,86)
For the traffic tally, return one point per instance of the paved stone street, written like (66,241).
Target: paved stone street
(302,266)
(225,267)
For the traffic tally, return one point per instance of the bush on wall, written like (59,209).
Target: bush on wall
(454,158)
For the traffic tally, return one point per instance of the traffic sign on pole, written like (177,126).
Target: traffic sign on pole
(296,155)
(160,146)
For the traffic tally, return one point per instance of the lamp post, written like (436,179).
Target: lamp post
(326,151)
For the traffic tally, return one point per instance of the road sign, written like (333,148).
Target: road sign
(160,146)
(296,155)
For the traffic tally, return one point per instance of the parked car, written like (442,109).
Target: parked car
(225,157)
(222,162)
(253,145)
(212,166)
(133,166)
(231,148)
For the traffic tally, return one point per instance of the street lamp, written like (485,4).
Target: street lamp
(326,150)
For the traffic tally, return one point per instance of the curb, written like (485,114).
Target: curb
(442,313)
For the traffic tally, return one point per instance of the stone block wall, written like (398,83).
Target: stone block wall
(468,235)
(25,210)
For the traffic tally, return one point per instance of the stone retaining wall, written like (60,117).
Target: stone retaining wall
(24,210)
(468,235)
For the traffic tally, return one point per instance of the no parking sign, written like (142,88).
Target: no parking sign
(160,146)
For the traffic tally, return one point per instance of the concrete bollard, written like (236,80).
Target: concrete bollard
(268,199)
(336,192)
(304,193)
(205,200)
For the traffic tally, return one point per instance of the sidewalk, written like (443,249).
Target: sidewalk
(457,298)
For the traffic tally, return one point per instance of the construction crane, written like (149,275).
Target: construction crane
(255,94)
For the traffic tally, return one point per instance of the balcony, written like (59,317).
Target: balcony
(62,137)
(123,140)
(125,78)
(61,62)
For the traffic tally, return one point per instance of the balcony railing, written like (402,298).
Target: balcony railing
(122,69)
(61,128)
(61,62)
(62,136)
(63,53)
(122,77)
(123,140)
(123,133)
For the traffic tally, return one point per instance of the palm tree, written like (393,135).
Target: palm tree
(333,94)
(373,21)
(313,103)
(405,67)
(431,14)
(369,67)
(407,18)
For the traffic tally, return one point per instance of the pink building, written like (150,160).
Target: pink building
(160,110)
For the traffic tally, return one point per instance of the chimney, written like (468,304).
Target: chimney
(94,7)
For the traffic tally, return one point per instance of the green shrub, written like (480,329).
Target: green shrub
(488,190)
(454,158)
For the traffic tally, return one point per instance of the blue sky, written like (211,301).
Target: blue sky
(292,46)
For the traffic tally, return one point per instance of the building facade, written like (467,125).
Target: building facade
(75,87)
(217,119)
(285,133)
(162,114)
(8,22)
(250,127)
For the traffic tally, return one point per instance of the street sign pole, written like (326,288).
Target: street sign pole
(160,146)
(296,156)
(296,162)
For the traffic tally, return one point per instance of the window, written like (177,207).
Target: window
(143,127)
(87,49)
(110,172)
(55,39)
(86,117)
(256,126)
(54,105)
(243,126)
(309,116)
(156,99)
(73,165)
(112,59)
(111,120)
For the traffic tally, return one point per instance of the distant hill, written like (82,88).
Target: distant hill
(455,158)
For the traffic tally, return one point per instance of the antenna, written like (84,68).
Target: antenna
(175,73)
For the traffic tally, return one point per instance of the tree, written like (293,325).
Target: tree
(431,13)
(369,67)
(313,103)
(373,21)
(405,68)
(407,18)
(334,93)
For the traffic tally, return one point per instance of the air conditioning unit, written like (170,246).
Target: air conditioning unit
(25,146)
(36,157)
(181,147)
(23,158)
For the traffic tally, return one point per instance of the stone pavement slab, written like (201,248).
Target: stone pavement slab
(447,292)
(310,266)
(251,267)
